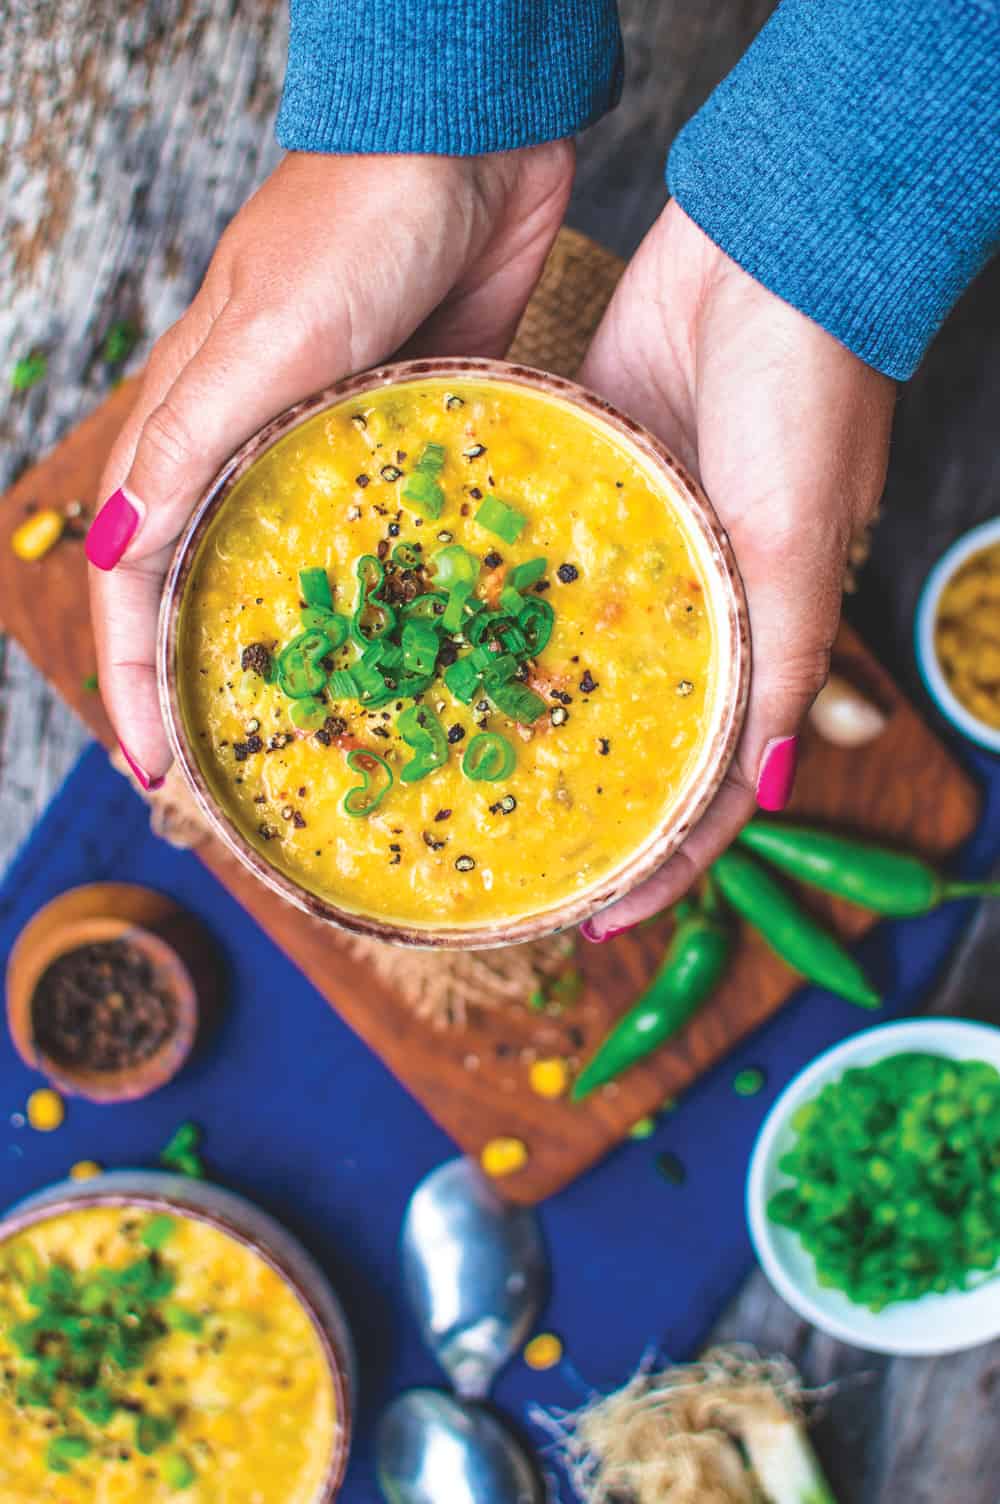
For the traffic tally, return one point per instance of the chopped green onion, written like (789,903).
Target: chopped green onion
(454,565)
(119,342)
(29,371)
(523,576)
(519,702)
(370,681)
(152,1431)
(462,678)
(158,1231)
(500,671)
(536,619)
(315,587)
(422,489)
(421,730)
(343,685)
(177,1472)
(420,647)
(514,641)
(511,600)
(62,1450)
(488,758)
(364,799)
(497,517)
(454,612)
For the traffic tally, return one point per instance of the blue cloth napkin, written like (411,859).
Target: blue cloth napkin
(300,1116)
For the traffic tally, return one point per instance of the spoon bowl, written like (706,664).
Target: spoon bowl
(475,1272)
(431,1448)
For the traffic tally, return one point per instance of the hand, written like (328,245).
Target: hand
(788,433)
(332,266)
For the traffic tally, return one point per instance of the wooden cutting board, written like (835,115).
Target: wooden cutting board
(904,787)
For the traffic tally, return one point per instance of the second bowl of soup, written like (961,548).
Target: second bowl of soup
(453,653)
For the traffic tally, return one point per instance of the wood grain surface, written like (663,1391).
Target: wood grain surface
(133,131)
(904,786)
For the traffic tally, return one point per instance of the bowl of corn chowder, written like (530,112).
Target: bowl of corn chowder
(165,1339)
(453,653)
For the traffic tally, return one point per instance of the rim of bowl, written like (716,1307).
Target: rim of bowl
(26,1215)
(714,552)
(937,686)
(955,1037)
(30,958)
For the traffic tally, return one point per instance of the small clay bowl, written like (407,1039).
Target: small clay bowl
(708,541)
(244,1222)
(84,916)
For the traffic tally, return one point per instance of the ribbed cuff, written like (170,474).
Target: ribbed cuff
(851,163)
(450,77)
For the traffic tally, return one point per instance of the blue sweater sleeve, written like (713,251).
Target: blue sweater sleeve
(452,77)
(851,163)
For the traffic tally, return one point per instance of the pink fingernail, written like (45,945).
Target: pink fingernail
(112,531)
(777,772)
(589,933)
(149,784)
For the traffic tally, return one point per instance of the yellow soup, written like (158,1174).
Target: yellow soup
(146,1358)
(562,705)
(967,634)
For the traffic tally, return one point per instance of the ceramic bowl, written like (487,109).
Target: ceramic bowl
(241,1220)
(933,1324)
(929,664)
(710,545)
(88,915)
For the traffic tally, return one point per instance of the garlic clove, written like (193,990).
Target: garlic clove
(843,716)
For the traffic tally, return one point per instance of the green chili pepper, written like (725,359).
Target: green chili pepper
(308,714)
(789,930)
(535,620)
(363,800)
(331,623)
(889,882)
(315,587)
(300,664)
(454,565)
(343,685)
(497,517)
(488,758)
(372,618)
(408,555)
(427,607)
(421,730)
(420,647)
(695,961)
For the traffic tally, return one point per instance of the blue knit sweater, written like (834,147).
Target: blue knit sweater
(850,161)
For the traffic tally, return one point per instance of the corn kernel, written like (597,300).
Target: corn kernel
(543,1351)
(37,534)
(46,1110)
(84,1169)
(549,1078)
(502,1156)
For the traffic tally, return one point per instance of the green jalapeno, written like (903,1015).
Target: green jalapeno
(890,882)
(427,607)
(372,618)
(335,626)
(692,968)
(300,664)
(488,758)
(454,565)
(789,930)
(408,555)
(421,730)
(366,797)
(308,713)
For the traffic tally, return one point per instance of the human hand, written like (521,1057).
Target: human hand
(332,266)
(788,432)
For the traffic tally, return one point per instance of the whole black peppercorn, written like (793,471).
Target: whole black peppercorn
(568,573)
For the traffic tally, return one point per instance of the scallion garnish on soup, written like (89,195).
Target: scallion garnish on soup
(438,596)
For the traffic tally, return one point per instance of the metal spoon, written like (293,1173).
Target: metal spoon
(432,1449)
(475,1272)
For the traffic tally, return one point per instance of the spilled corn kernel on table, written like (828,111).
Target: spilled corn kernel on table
(112,217)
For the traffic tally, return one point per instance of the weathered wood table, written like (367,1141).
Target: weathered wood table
(133,131)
